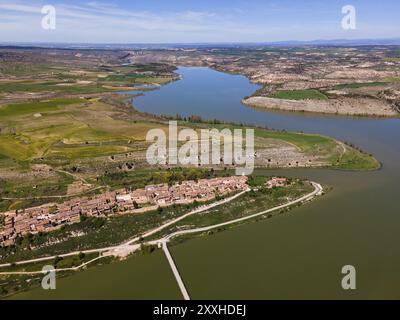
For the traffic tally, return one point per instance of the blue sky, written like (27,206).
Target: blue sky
(190,21)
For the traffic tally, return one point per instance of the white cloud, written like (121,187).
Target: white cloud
(109,21)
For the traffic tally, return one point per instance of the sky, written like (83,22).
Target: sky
(196,21)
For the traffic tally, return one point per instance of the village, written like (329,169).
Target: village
(47,217)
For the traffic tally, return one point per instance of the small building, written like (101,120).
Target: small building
(276,182)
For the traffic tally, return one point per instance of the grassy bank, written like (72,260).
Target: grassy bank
(357,85)
(311,94)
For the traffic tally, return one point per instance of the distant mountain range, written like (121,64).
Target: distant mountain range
(291,43)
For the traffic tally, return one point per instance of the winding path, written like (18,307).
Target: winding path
(43,272)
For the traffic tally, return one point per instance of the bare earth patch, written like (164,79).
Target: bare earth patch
(78,187)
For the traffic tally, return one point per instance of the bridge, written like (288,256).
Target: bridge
(175,270)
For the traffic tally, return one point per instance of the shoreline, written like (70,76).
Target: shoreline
(312,106)
(327,107)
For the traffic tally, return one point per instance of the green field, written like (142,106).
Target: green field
(359,85)
(30,108)
(314,144)
(86,152)
(66,128)
(61,87)
(311,94)
(354,159)
(28,69)
(125,78)
(306,142)
(393,79)
(64,79)
(54,185)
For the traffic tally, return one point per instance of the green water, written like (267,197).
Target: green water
(298,255)
(142,277)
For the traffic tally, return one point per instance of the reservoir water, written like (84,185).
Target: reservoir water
(298,255)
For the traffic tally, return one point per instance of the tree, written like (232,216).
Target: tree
(57,260)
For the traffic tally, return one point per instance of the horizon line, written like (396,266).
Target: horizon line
(205,43)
